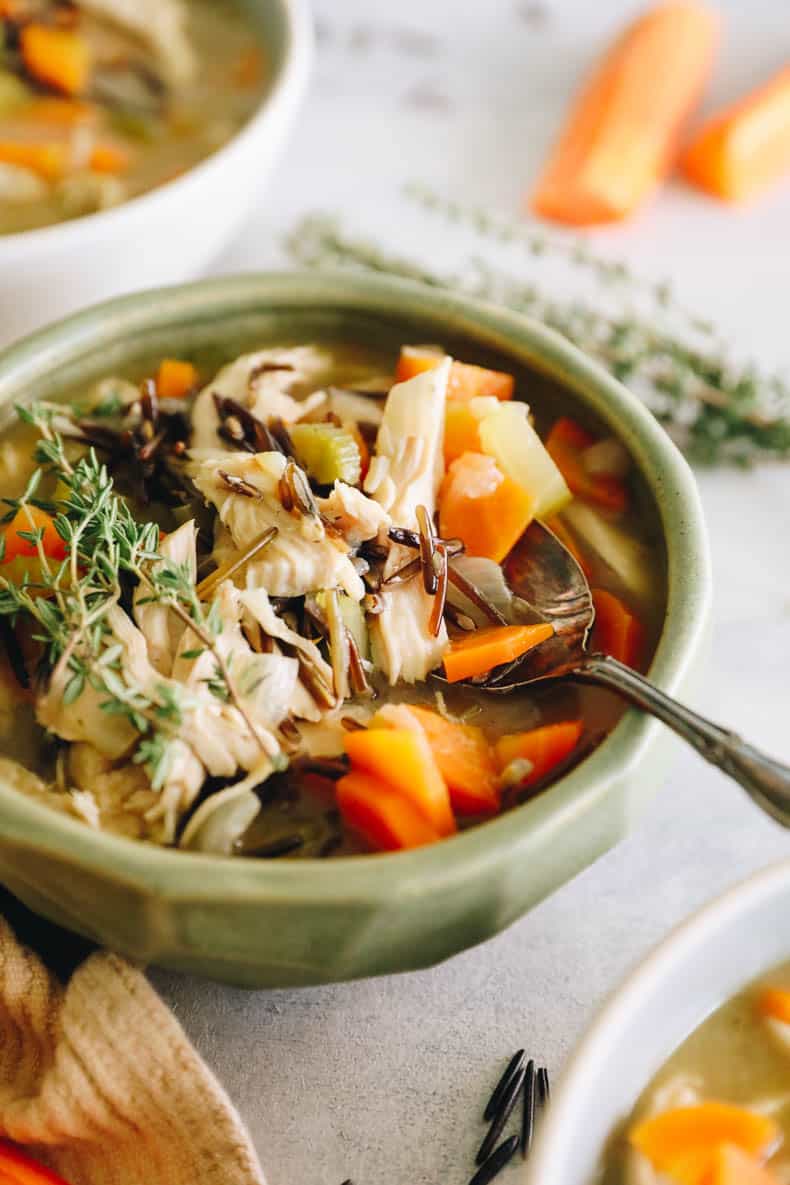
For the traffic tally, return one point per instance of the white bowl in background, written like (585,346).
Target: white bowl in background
(708,959)
(170,233)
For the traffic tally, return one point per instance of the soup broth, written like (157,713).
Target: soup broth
(154,88)
(739,1058)
(307,437)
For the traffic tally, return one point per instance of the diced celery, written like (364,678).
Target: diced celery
(327,453)
(507,435)
(353,616)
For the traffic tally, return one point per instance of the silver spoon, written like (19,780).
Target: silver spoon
(544,573)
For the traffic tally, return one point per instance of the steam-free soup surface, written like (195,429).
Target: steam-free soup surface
(101,101)
(732,1078)
(306,594)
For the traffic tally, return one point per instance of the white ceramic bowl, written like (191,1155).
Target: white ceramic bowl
(704,962)
(171,233)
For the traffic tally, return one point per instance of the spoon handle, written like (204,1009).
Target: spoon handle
(766,781)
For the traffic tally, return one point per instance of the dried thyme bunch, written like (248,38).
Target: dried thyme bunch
(716,411)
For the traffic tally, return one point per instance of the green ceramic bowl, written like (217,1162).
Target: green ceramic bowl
(278,923)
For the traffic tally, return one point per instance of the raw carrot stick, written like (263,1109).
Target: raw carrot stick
(624,127)
(483,507)
(388,821)
(732,1166)
(461,751)
(175,379)
(745,148)
(683,1143)
(58,57)
(466,381)
(402,759)
(481,651)
(544,748)
(565,444)
(17,546)
(616,630)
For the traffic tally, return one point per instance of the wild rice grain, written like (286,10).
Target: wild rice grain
(516,1062)
(528,1113)
(496,1162)
(506,1104)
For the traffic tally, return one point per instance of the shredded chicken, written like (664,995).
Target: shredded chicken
(408,474)
(158,625)
(159,24)
(269,383)
(303,557)
(357,517)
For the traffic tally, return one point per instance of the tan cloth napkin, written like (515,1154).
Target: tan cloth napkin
(100,1081)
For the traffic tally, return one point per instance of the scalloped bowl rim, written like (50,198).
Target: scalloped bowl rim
(196,877)
(290,75)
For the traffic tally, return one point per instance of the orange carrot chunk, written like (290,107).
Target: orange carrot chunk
(623,129)
(17,1168)
(684,1142)
(461,432)
(565,444)
(49,159)
(388,821)
(110,158)
(616,630)
(58,57)
(544,748)
(402,759)
(17,546)
(64,113)
(774,1002)
(466,380)
(732,1166)
(175,379)
(481,651)
(479,504)
(745,148)
(461,751)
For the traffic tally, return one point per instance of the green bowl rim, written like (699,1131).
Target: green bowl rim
(195,877)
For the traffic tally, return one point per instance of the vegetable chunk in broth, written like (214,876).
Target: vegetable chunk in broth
(102,100)
(248,608)
(718,1111)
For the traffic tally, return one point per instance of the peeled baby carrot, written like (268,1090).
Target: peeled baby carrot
(616,630)
(388,821)
(479,504)
(623,129)
(402,760)
(16,546)
(466,381)
(732,1166)
(58,57)
(684,1142)
(175,379)
(746,148)
(774,1002)
(461,751)
(544,748)
(481,651)
(565,444)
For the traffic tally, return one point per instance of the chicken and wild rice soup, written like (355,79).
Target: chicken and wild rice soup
(248,608)
(102,100)
(718,1112)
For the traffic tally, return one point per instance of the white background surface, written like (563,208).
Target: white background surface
(379,1081)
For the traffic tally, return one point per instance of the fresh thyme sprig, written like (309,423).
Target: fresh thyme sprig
(715,410)
(70,600)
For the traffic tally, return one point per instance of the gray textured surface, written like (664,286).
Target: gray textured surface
(378,1080)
